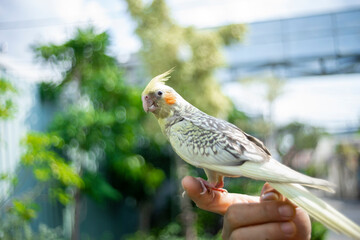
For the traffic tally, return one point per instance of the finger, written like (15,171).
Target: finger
(215,201)
(270,231)
(266,188)
(268,193)
(241,215)
(301,219)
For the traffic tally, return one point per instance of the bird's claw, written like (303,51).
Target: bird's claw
(204,187)
(210,188)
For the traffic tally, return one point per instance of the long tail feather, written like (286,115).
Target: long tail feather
(318,209)
(271,171)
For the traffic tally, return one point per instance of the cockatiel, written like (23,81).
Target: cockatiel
(224,150)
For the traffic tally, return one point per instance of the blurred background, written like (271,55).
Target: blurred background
(79,159)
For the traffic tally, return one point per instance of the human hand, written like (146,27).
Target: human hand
(270,216)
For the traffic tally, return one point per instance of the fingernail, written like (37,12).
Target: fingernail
(287,228)
(270,196)
(286,211)
(183,194)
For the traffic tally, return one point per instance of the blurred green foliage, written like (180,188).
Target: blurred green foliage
(101,143)
(17,213)
(348,152)
(172,231)
(274,86)
(7,92)
(296,137)
(257,127)
(100,123)
(49,91)
(318,231)
(14,229)
(301,136)
(16,218)
(25,210)
(13,180)
(50,170)
(48,166)
(195,54)
(103,123)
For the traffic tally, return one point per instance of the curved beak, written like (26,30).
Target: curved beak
(148,104)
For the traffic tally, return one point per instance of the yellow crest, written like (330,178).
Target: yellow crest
(160,79)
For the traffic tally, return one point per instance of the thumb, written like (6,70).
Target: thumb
(214,201)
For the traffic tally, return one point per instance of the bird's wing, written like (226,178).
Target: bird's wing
(214,141)
(235,137)
(231,132)
(223,148)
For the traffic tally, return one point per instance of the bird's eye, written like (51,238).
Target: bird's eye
(159,93)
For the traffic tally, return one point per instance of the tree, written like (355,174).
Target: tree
(195,54)
(101,123)
(18,211)
(296,137)
(7,91)
(274,87)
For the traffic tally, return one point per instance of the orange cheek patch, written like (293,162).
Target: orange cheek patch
(170,99)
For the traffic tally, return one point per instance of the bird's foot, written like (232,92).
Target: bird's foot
(209,187)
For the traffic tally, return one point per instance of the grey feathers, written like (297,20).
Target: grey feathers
(196,134)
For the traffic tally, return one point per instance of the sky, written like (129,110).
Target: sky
(24,22)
